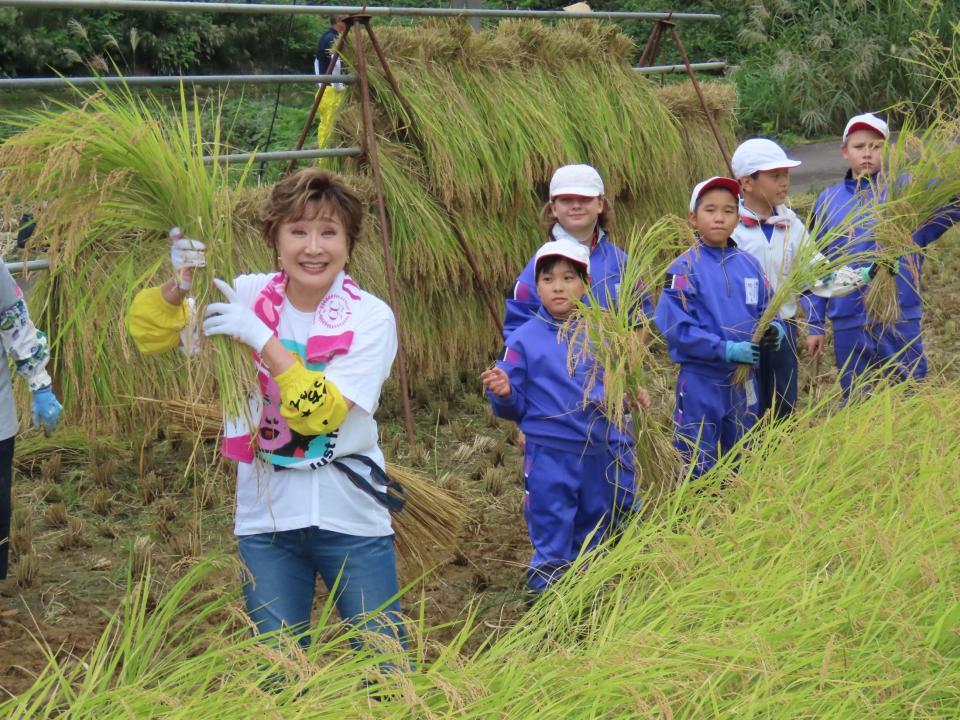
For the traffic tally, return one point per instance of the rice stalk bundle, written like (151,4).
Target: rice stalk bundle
(616,344)
(115,172)
(920,177)
(70,444)
(808,266)
(430,519)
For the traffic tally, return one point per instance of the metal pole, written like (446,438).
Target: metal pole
(283,155)
(665,69)
(454,223)
(703,100)
(319,96)
(19,266)
(281,9)
(370,145)
(163,80)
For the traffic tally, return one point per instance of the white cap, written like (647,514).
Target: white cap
(760,155)
(576,180)
(711,183)
(867,121)
(572,251)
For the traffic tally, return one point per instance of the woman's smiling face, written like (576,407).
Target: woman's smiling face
(312,251)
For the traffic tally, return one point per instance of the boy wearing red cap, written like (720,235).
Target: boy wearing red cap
(861,344)
(707,314)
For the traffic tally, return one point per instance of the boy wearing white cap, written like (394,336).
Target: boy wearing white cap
(573,491)
(707,314)
(773,234)
(860,343)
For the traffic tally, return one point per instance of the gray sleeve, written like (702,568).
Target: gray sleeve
(9,294)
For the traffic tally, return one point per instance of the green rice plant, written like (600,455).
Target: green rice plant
(813,577)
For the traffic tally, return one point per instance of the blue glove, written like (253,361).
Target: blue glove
(46,409)
(744,352)
(773,337)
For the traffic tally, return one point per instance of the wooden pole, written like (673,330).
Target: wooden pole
(370,148)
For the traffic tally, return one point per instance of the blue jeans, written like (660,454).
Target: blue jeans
(283,567)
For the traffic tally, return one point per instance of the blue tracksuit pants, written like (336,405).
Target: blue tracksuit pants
(868,348)
(571,501)
(710,416)
(777,375)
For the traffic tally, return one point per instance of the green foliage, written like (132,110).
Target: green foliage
(34,42)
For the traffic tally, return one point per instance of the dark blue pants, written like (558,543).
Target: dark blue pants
(777,375)
(865,349)
(571,501)
(6,502)
(710,417)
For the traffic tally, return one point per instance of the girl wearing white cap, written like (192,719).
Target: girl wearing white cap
(573,494)
(576,211)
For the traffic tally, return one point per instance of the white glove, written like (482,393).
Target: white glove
(185,255)
(840,283)
(235,319)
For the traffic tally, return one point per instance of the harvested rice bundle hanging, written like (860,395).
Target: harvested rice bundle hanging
(116,172)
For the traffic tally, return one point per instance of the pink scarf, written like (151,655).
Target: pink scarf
(331,334)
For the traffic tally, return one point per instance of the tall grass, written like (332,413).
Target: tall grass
(816,577)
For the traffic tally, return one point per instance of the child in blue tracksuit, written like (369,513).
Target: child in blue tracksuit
(573,490)
(860,344)
(708,314)
(578,212)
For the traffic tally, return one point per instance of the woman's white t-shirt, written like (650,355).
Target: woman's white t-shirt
(272,500)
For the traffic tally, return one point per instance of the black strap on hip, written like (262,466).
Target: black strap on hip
(394,503)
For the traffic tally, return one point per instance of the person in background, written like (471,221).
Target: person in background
(333,97)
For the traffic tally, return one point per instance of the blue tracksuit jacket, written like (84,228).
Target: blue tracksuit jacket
(578,477)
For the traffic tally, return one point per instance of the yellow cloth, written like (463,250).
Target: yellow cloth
(327,114)
(311,404)
(154,323)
